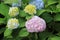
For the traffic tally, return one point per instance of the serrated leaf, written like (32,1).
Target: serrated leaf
(7,32)
(23,33)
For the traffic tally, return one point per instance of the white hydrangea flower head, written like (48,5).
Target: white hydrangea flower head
(13,11)
(13,23)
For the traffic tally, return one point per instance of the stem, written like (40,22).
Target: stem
(30,37)
(36,37)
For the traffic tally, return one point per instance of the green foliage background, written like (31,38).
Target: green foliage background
(50,13)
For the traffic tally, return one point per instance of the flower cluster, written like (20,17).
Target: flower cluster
(35,24)
(13,11)
(31,9)
(33,5)
(38,3)
(13,23)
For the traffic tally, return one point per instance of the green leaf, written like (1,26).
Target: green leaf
(58,8)
(50,2)
(25,1)
(10,1)
(57,17)
(58,34)
(8,39)
(54,38)
(51,8)
(4,9)
(23,33)
(22,22)
(47,17)
(22,13)
(2,20)
(9,36)
(7,32)
(56,27)
(44,35)
(39,12)
(29,17)
(2,30)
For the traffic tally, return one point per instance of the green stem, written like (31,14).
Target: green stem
(36,37)
(30,37)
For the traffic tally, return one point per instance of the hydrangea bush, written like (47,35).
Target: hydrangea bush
(30,19)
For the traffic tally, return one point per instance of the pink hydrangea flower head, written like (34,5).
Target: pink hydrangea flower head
(35,24)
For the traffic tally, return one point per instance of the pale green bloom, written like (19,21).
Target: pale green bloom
(13,11)
(13,23)
(31,9)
